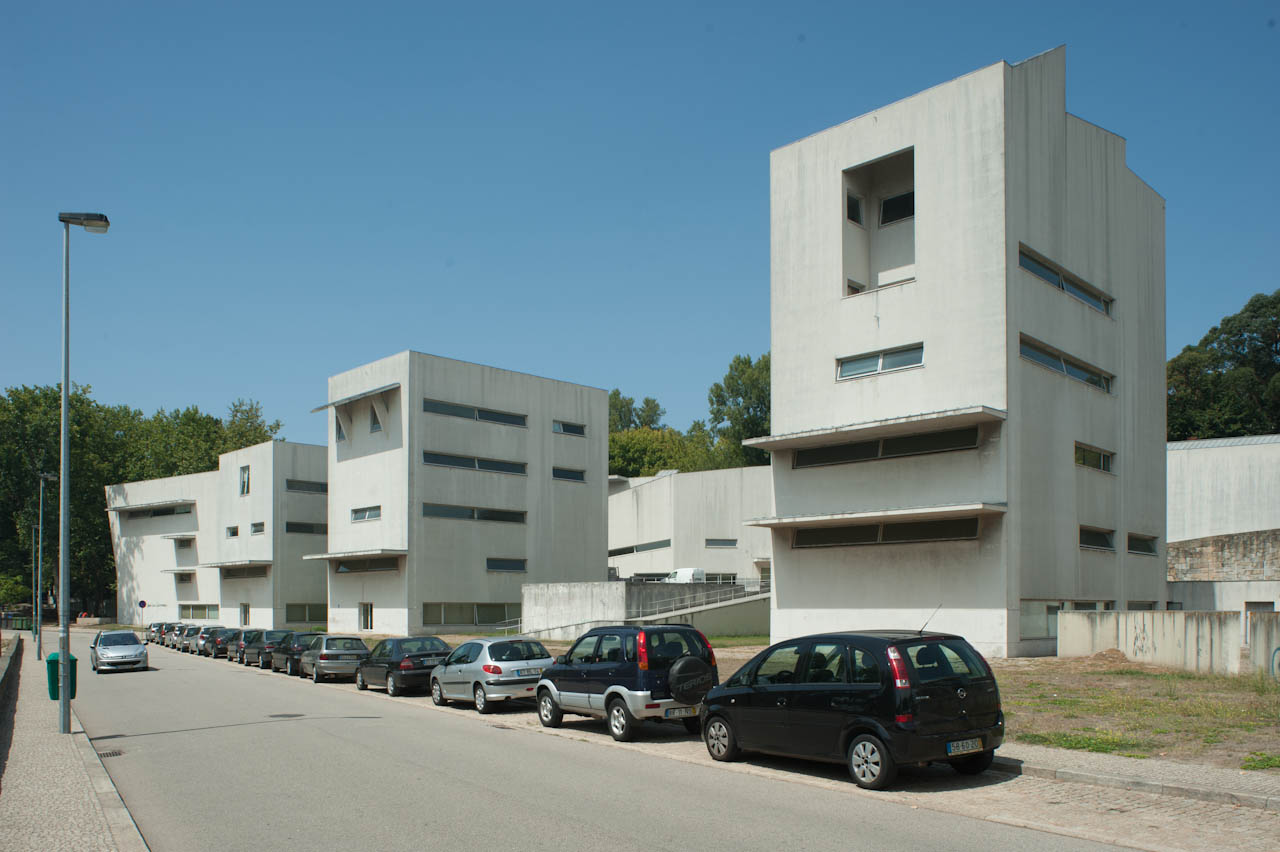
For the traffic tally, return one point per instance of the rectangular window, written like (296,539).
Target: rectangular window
(366,616)
(641,548)
(491,613)
(257,528)
(375,425)
(306,486)
(467,412)
(183,543)
(906,445)
(1143,544)
(446,460)
(244,480)
(1064,364)
(432,613)
(880,362)
(1094,458)
(1142,605)
(569,474)
(498,466)
(366,513)
(1063,280)
(722,542)
(364,566)
(197,611)
(306,613)
(897,208)
(1039,619)
(306,527)
(233,532)
(496,564)
(459,613)
(853,209)
(562,428)
(472,463)
(1097,539)
(954,529)
(472,513)
(853,288)
(337,427)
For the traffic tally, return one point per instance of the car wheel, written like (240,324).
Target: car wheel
(549,712)
(693,725)
(315,674)
(721,743)
(263,662)
(437,694)
(974,764)
(290,667)
(393,685)
(482,700)
(870,763)
(360,684)
(93,665)
(622,725)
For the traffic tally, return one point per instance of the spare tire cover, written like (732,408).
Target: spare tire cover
(690,679)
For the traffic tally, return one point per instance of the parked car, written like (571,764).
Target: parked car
(628,674)
(486,671)
(216,643)
(332,655)
(259,650)
(203,637)
(874,700)
(235,652)
(401,664)
(285,658)
(153,629)
(224,644)
(186,642)
(173,634)
(117,649)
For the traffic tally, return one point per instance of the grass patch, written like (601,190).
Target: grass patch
(737,641)
(1261,760)
(1100,742)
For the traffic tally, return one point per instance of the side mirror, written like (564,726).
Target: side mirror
(560,660)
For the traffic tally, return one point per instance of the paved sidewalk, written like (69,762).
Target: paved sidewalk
(54,793)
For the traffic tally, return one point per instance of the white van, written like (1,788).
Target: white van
(686,575)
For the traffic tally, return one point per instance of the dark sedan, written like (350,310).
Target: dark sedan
(219,643)
(235,652)
(289,650)
(259,650)
(401,664)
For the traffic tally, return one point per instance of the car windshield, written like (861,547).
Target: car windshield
(514,652)
(940,659)
(667,646)
(424,645)
(341,644)
(112,640)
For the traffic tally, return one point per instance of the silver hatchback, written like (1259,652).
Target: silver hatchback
(333,655)
(117,649)
(485,671)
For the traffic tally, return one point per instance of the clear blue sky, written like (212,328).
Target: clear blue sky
(574,190)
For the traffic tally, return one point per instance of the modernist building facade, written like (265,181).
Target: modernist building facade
(660,524)
(226,546)
(967,368)
(453,484)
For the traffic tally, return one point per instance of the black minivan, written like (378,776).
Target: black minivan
(876,700)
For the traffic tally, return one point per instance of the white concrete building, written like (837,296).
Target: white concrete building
(452,484)
(660,524)
(226,546)
(967,367)
(1224,524)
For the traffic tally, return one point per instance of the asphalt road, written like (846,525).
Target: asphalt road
(220,757)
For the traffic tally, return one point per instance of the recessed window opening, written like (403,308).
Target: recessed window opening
(903,532)
(1144,545)
(469,412)
(561,427)
(853,288)
(1087,456)
(297,613)
(366,513)
(897,207)
(183,543)
(197,611)
(306,527)
(337,427)
(375,425)
(257,528)
(853,208)
(641,548)
(436,613)
(244,480)
(1065,364)
(880,362)
(233,532)
(471,463)
(1092,538)
(503,564)
(722,542)
(159,512)
(473,513)
(366,616)
(886,448)
(568,474)
(362,566)
(1056,276)
(306,486)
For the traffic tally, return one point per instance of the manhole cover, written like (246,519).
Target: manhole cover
(286,715)
(110,753)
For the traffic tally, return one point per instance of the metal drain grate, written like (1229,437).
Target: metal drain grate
(110,753)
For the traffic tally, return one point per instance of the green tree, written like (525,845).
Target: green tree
(245,427)
(739,407)
(644,452)
(622,412)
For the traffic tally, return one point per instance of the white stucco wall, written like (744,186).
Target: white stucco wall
(1219,487)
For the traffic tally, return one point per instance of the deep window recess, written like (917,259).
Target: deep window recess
(337,427)
(853,209)
(183,543)
(306,527)
(1097,539)
(1144,544)
(306,613)
(880,362)
(896,533)
(197,611)
(375,425)
(469,613)
(366,616)
(907,445)
(362,566)
(1097,459)
(244,572)
(641,548)
(366,513)
(1065,364)
(498,564)
(468,412)
(897,208)
(563,428)
(853,288)
(244,480)
(257,527)
(159,513)
(472,513)
(722,542)
(470,463)
(1066,282)
(569,474)
(233,532)
(307,486)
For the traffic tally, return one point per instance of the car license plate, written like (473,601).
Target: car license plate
(528,672)
(964,746)
(678,712)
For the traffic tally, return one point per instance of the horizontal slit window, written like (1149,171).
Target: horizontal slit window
(906,445)
(361,566)
(472,463)
(497,564)
(183,543)
(1064,281)
(470,412)
(880,362)
(472,513)
(306,486)
(903,532)
(1099,539)
(1064,364)
(569,474)
(1143,544)
(563,428)
(640,548)
(722,542)
(1096,459)
(897,208)
(306,527)
(366,513)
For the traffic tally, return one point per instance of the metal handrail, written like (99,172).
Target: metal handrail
(698,599)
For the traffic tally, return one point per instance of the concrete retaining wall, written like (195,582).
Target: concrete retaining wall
(739,618)
(1203,642)
(566,610)
(10,663)
(545,606)
(1264,642)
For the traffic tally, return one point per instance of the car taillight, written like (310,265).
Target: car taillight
(710,650)
(406,664)
(642,652)
(903,718)
(323,657)
(898,668)
(490,668)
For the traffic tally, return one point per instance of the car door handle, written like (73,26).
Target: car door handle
(782,702)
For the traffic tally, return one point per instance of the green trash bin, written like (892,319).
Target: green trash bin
(51,669)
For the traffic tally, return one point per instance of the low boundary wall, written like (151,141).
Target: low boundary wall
(1203,642)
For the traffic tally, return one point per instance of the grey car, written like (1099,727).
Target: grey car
(486,671)
(173,634)
(203,644)
(117,649)
(188,639)
(333,655)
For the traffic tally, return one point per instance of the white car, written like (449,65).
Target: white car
(117,649)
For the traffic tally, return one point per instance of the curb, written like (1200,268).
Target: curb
(1140,785)
(124,831)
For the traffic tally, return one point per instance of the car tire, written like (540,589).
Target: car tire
(549,712)
(263,662)
(870,763)
(483,704)
(622,725)
(693,725)
(315,674)
(290,667)
(437,694)
(974,764)
(360,681)
(720,740)
(393,685)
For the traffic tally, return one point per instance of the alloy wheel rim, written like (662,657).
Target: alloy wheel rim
(718,739)
(544,706)
(866,761)
(616,720)
(480,698)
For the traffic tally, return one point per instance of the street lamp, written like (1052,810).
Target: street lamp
(39,610)
(94,223)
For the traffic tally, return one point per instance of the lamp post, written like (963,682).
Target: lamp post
(94,223)
(39,610)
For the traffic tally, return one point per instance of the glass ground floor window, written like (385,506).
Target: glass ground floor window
(474,614)
(194,611)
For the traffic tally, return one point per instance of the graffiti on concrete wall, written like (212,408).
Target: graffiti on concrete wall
(1142,644)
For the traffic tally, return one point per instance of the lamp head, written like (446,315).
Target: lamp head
(94,223)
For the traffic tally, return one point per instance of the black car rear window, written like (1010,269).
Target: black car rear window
(514,652)
(250,635)
(667,646)
(275,635)
(940,659)
(424,645)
